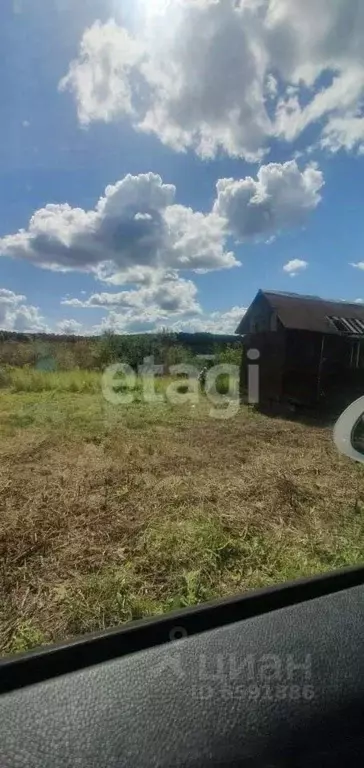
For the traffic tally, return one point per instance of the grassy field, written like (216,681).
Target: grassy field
(110,513)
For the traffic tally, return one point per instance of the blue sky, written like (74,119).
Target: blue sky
(176,95)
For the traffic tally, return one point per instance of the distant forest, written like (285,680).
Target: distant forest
(199,343)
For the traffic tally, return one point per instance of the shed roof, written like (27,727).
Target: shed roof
(311,313)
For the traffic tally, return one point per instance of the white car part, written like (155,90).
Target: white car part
(344,428)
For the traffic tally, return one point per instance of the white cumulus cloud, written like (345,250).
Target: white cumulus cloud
(295,266)
(163,298)
(137,232)
(100,77)
(132,320)
(279,198)
(214,322)
(212,75)
(344,132)
(137,321)
(69,327)
(357,265)
(210,95)
(16,315)
(135,225)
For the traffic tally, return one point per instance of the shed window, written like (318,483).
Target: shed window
(348,325)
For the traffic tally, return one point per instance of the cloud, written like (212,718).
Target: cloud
(9,298)
(215,322)
(295,266)
(69,327)
(279,199)
(140,275)
(210,95)
(133,321)
(302,48)
(345,92)
(136,236)
(17,316)
(271,86)
(358,265)
(238,74)
(137,232)
(322,60)
(129,321)
(344,132)
(198,240)
(135,226)
(100,77)
(161,299)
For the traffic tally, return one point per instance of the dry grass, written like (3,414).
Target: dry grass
(109,514)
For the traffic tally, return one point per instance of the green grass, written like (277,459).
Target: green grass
(26,637)
(78,381)
(111,513)
(178,565)
(103,599)
(44,400)
(33,380)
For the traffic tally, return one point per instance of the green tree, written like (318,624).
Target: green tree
(228,355)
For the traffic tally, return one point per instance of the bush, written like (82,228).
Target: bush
(134,349)
(64,355)
(177,355)
(229,355)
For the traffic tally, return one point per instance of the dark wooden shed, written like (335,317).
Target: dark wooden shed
(311,350)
